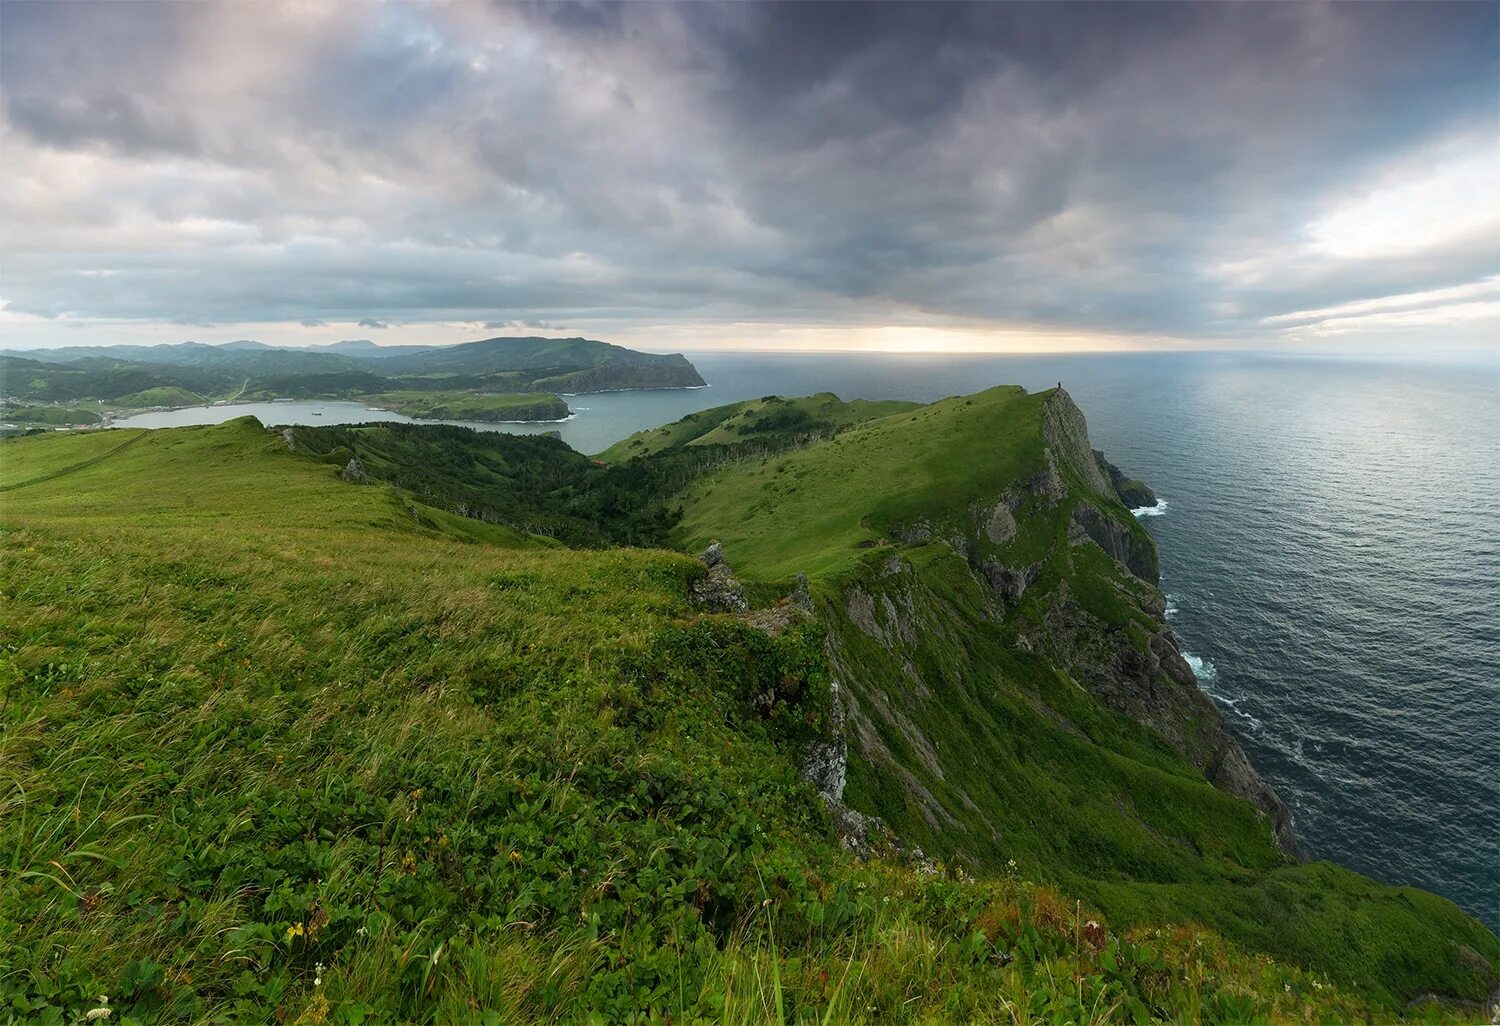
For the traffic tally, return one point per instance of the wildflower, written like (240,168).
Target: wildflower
(766,903)
(515,856)
(102,1012)
(361,932)
(295,930)
(318,975)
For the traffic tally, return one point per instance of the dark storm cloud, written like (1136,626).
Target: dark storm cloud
(1156,169)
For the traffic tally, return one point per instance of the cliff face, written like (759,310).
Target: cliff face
(1083,599)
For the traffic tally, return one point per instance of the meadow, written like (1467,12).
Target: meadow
(281,747)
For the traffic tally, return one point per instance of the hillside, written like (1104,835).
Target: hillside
(473,406)
(191,372)
(548,364)
(771,419)
(1013,694)
(286,742)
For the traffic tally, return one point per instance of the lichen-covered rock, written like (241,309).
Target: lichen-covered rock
(353,472)
(713,555)
(718,591)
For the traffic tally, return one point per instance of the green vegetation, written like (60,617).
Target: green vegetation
(810,511)
(476,406)
(279,747)
(159,395)
(815,416)
(975,738)
(488,369)
(49,415)
(531,483)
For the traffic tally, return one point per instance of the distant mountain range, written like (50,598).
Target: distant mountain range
(254,370)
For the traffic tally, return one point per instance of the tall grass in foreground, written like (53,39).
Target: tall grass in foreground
(278,749)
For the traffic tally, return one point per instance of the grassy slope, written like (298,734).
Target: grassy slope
(743,421)
(809,511)
(279,747)
(985,752)
(161,395)
(49,415)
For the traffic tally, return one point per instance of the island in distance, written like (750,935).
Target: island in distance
(494,379)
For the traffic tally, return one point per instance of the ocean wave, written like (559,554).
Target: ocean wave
(1206,673)
(1151,511)
(1202,668)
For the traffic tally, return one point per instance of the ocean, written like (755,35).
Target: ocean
(1330,549)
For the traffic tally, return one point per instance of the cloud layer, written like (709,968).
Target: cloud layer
(1211,173)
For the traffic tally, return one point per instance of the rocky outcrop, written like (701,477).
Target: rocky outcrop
(1134,494)
(718,591)
(354,472)
(1067,436)
(1156,688)
(1128,547)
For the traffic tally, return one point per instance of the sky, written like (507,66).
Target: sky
(683,177)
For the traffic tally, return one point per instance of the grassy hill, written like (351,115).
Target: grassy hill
(1014,695)
(49,415)
(772,417)
(278,746)
(549,364)
(472,375)
(476,406)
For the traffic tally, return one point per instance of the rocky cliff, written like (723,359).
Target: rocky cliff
(1104,629)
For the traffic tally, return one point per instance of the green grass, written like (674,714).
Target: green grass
(160,395)
(460,405)
(274,747)
(976,735)
(755,419)
(57,415)
(810,510)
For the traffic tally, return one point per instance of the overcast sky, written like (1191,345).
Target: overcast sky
(938,176)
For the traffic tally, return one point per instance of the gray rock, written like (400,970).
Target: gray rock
(718,591)
(1135,553)
(998,522)
(801,596)
(1067,436)
(1010,583)
(1134,494)
(354,472)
